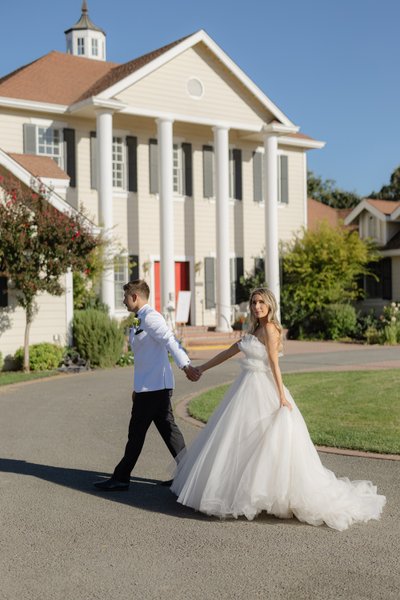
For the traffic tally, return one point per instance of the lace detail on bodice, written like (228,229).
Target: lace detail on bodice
(256,356)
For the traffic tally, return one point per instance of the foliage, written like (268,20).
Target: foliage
(42,357)
(321,267)
(338,321)
(390,191)
(97,337)
(1,361)
(86,283)
(38,244)
(126,359)
(390,321)
(252,281)
(327,192)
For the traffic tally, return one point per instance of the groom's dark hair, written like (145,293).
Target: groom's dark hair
(139,287)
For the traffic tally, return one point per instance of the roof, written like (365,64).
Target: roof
(39,166)
(384,206)
(394,243)
(318,211)
(55,78)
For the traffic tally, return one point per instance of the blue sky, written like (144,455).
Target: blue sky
(330,65)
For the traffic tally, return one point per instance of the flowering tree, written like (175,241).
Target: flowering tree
(37,246)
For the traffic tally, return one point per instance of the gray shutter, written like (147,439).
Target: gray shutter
(284,183)
(153,166)
(70,155)
(29,138)
(208,183)
(237,165)
(257,177)
(232,272)
(93,160)
(133,267)
(131,143)
(187,166)
(209,276)
(386,278)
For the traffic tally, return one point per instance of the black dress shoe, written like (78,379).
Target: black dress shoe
(111,485)
(167,483)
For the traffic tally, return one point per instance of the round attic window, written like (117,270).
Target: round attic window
(195,88)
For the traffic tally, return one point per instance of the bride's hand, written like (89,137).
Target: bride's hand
(285,402)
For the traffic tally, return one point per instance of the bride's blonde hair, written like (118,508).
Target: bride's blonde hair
(272,316)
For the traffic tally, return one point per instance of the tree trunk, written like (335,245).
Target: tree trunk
(29,318)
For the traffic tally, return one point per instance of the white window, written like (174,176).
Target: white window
(178,173)
(118,157)
(49,143)
(81,46)
(120,278)
(95,47)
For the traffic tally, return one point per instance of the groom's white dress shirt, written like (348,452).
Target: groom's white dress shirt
(150,342)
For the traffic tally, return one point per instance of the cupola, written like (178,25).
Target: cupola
(85,39)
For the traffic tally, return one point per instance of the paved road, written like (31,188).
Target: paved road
(61,540)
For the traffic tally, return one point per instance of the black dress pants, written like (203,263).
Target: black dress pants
(149,407)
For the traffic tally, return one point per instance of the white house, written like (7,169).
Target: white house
(379,220)
(187,165)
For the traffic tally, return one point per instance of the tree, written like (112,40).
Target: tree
(37,246)
(327,192)
(391,191)
(320,268)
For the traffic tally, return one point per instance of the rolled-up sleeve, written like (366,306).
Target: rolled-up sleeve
(155,325)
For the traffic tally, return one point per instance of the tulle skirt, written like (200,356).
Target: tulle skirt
(255,456)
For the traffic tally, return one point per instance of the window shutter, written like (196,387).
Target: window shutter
(284,183)
(209,275)
(70,155)
(208,183)
(239,293)
(386,278)
(259,265)
(232,273)
(3,292)
(29,138)
(93,160)
(257,177)
(131,143)
(133,267)
(188,171)
(237,163)
(153,166)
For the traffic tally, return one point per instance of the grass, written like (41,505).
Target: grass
(359,410)
(17,376)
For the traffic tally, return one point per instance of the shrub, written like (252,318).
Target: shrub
(391,323)
(98,338)
(1,362)
(42,357)
(126,359)
(338,321)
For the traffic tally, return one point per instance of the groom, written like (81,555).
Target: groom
(150,341)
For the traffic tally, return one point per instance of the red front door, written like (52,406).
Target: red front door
(182,280)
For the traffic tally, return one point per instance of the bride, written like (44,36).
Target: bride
(255,453)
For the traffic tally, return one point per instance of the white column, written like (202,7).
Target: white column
(165,185)
(105,190)
(223,295)
(271,214)
(69,305)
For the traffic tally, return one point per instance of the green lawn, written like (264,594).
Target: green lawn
(16,376)
(353,409)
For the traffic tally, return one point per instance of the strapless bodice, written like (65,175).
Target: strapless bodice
(256,356)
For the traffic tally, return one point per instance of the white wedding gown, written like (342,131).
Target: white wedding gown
(254,455)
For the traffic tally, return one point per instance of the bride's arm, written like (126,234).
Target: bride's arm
(272,343)
(220,358)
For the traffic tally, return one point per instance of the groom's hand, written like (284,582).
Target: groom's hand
(192,373)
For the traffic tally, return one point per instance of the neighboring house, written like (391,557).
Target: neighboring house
(177,154)
(379,220)
(317,212)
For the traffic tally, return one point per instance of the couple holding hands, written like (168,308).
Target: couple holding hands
(255,453)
